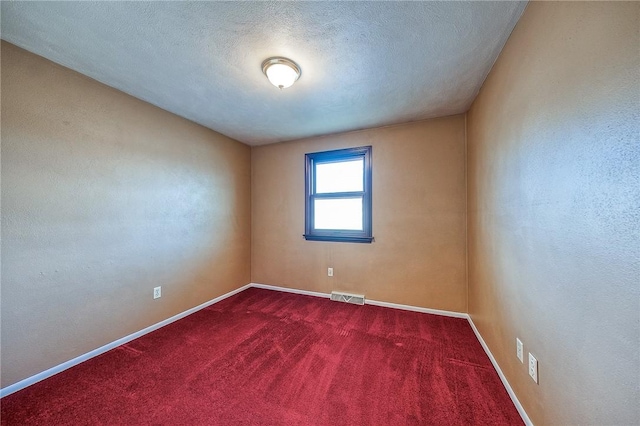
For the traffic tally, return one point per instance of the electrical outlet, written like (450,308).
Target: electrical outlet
(329,272)
(157,292)
(519,350)
(533,367)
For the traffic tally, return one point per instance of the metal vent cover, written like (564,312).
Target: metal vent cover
(356,299)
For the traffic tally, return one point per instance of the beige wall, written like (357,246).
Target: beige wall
(553,202)
(418,256)
(103,198)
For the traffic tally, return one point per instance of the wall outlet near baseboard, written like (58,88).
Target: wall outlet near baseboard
(157,292)
(533,367)
(329,272)
(519,350)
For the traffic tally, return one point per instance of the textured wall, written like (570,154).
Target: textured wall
(103,198)
(418,256)
(553,211)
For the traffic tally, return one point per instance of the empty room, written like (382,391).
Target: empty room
(320,213)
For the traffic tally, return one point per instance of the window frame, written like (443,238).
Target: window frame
(338,235)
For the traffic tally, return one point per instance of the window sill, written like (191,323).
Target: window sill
(338,239)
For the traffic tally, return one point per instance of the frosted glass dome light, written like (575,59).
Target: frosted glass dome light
(281,72)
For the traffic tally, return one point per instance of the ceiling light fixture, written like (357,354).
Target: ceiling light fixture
(281,72)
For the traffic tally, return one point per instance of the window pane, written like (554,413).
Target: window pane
(340,213)
(341,176)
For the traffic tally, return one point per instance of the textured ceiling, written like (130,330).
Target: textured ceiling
(364,64)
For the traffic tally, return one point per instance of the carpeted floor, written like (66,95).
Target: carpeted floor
(266,357)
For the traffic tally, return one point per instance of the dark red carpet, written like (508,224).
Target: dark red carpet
(266,357)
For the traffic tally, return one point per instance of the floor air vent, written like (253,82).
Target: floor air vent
(356,299)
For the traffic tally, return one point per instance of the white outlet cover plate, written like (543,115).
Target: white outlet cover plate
(519,350)
(533,368)
(330,272)
(157,292)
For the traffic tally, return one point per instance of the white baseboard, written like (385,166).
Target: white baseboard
(290,290)
(506,384)
(366,301)
(416,309)
(77,360)
(102,349)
